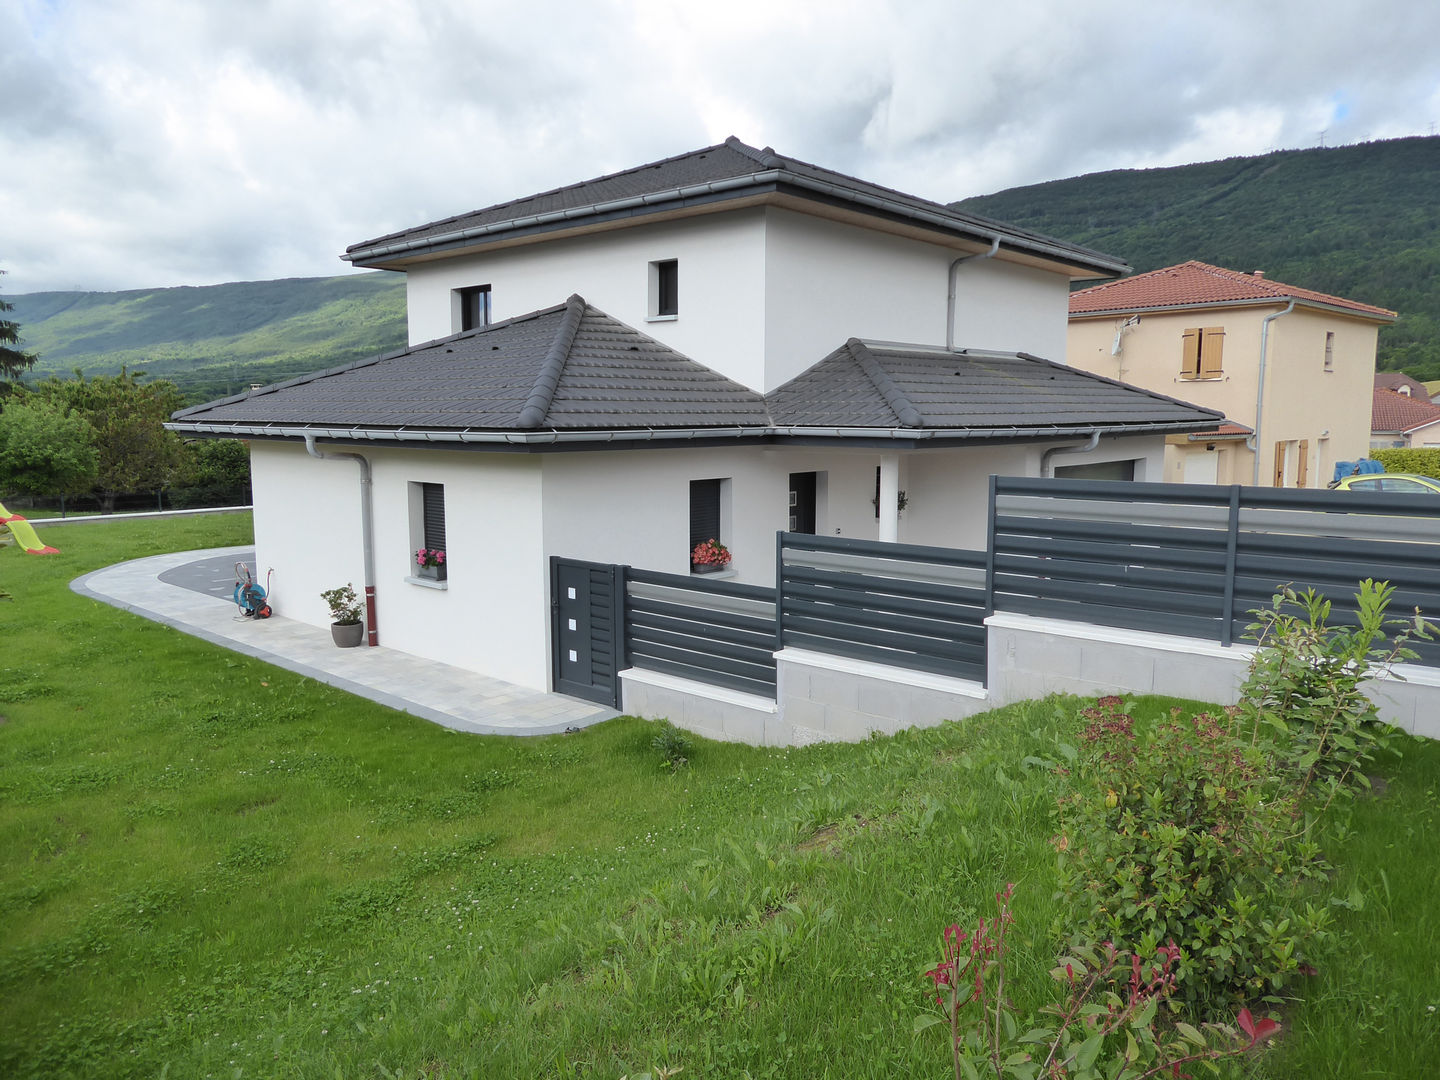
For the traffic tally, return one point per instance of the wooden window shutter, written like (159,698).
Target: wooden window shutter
(1279,465)
(704,511)
(1212,346)
(433,496)
(1302,468)
(1190,355)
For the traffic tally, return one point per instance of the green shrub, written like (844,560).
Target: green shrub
(1425,460)
(674,745)
(1175,835)
(1303,690)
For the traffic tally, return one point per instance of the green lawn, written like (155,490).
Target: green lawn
(212,867)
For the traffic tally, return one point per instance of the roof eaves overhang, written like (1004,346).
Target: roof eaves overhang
(1255,302)
(390,254)
(600,439)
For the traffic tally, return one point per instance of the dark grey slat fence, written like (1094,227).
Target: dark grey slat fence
(1196,559)
(716,632)
(903,605)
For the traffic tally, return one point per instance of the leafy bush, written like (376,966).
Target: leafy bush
(1422,460)
(1176,834)
(1303,686)
(1105,1025)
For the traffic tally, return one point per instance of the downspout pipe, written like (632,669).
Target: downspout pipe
(367,529)
(950,297)
(1253,442)
(1046,469)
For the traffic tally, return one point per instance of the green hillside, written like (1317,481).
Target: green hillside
(215,339)
(1358,221)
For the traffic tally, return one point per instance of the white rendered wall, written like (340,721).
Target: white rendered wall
(763,293)
(828,282)
(721,285)
(491,617)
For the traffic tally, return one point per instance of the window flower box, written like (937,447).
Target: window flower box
(709,557)
(430,563)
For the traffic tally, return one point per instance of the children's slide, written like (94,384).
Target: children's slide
(23,531)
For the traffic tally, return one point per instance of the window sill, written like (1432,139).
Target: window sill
(661,318)
(427,583)
(1202,378)
(715,575)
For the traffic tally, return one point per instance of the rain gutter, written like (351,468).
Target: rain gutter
(1254,441)
(950,296)
(576,214)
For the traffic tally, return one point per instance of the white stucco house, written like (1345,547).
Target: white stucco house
(750,344)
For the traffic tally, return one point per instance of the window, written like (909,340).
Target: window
(665,289)
(706,497)
(1201,349)
(472,307)
(802,502)
(429,556)
(1097,470)
(1329,350)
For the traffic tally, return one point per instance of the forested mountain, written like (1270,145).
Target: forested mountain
(214,340)
(1358,221)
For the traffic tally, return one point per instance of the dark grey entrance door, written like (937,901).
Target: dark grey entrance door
(586,629)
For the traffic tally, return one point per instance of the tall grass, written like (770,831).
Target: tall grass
(217,868)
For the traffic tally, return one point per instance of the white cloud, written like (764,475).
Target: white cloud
(159,142)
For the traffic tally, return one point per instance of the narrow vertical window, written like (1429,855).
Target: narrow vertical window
(474,305)
(432,559)
(1329,350)
(707,550)
(665,288)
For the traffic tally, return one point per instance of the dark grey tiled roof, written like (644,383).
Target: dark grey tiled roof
(573,368)
(686,178)
(567,367)
(870,384)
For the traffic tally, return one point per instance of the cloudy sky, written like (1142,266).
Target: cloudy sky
(168,142)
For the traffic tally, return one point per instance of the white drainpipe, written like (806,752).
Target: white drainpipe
(1084,448)
(1253,442)
(367,530)
(950,298)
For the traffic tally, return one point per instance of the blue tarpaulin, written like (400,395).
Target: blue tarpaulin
(1356,468)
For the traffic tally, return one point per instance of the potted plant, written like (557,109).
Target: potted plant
(345,626)
(430,563)
(709,557)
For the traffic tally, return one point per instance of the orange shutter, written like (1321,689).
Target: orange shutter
(1279,465)
(1212,346)
(1302,469)
(1190,355)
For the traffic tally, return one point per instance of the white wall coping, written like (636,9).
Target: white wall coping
(1118,635)
(698,689)
(902,676)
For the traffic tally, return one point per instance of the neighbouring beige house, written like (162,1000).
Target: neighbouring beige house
(1399,420)
(1292,369)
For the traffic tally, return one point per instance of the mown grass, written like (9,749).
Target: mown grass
(211,867)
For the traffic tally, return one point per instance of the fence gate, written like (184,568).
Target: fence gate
(587,629)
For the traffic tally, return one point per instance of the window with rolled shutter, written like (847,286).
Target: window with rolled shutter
(704,511)
(433,501)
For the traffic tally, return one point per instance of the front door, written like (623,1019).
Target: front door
(586,636)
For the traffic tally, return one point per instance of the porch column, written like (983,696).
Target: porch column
(889,498)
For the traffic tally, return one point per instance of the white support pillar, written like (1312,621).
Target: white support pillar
(889,498)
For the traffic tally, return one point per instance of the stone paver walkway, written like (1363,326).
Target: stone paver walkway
(190,590)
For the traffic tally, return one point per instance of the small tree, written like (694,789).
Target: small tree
(45,449)
(136,452)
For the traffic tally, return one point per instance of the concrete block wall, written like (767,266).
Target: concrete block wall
(1030,656)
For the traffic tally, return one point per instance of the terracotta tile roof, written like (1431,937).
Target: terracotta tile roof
(1192,283)
(1394,380)
(1396,412)
(1228,429)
